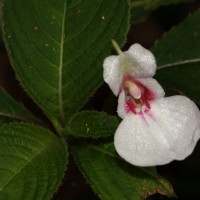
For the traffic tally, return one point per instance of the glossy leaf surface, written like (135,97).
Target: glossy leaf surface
(92,124)
(13,110)
(57,48)
(178,57)
(113,178)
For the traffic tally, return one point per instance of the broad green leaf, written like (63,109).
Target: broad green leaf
(32,162)
(113,178)
(92,124)
(10,109)
(57,48)
(140,9)
(178,57)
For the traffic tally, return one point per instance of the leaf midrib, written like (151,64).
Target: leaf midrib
(60,81)
(178,63)
(16,116)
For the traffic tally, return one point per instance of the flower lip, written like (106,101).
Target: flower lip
(171,134)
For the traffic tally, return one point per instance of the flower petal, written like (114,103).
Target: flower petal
(137,62)
(152,86)
(121,110)
(111,73)
(143,61)
(169,132)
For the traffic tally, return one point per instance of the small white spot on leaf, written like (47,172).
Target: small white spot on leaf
(103,17)
(36,28)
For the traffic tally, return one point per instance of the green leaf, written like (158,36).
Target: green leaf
(178,57)
(92,124)
(32,162)
(11,110)
(113,178)
(140,9)
(57,48)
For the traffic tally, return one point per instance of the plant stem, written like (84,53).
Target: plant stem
(116,47)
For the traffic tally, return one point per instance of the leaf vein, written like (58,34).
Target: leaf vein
(195,60)
(60,81)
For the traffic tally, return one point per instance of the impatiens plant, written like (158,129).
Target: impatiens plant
(61,54)
(155,129)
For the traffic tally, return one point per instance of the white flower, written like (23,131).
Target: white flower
(137,62)
(155,129)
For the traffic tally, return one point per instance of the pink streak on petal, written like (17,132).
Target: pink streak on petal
(143,117)
(146,94)
(148,112)
(130,106)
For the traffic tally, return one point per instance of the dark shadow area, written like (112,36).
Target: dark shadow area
(158,196)
(184,175)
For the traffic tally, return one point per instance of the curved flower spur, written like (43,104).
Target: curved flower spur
(155,129)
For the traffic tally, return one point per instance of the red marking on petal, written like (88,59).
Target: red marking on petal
(143,117)
(147,96)
(148,112)
(130,106)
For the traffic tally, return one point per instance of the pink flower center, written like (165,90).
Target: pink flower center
(138,96)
